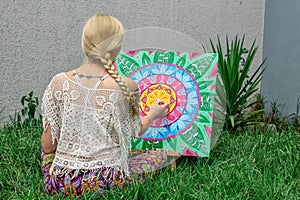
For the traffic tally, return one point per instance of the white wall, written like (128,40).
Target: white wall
(281,83)
(42,38)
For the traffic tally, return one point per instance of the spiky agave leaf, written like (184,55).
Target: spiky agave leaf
(236,84)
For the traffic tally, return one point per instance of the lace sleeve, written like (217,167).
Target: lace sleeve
(136,122)
(50,113)
(127,126)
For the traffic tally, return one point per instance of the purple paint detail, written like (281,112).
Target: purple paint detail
(213,87)
(188,152)
(214,71)
(194,55)
(131,53)
(208,131)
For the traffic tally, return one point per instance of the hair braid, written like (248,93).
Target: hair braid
(101,35)
(107,62)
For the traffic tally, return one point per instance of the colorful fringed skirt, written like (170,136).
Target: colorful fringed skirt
(76,182)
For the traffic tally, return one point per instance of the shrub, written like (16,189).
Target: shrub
(235,87)
(28,116)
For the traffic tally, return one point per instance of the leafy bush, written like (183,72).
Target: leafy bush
(29,115)
(236,88)
(275,118)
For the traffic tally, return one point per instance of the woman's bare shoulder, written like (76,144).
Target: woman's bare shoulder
(132,85)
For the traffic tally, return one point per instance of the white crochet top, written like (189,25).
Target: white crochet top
(92,126)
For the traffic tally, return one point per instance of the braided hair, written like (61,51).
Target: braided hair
(101,35)
(118,78)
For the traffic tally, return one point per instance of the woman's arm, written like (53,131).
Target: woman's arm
(46,141)
(158,110)
(146,121)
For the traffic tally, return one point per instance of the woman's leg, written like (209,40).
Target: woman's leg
(147,162)
(46,161)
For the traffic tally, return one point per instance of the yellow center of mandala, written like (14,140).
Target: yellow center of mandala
(158,92)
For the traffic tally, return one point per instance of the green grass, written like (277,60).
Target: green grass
(250,165)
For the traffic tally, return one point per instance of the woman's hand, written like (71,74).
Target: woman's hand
(159,109)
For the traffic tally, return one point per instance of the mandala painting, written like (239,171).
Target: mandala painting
(187,82)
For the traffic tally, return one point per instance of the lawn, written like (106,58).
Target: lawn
(248,165)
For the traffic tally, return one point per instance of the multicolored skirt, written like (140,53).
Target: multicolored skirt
(76,182)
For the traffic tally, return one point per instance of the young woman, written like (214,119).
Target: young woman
(89,116)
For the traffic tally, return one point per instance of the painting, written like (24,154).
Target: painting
(187,82)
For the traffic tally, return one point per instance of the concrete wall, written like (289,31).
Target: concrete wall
(42,38)
(281,81)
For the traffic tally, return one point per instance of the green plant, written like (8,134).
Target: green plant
(28,116)
(247,166)
(275,116)
(235,87)
(294,118)
(281,122)
(260,105)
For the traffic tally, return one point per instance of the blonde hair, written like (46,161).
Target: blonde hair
(101,35)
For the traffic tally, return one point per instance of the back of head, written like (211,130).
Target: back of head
(101,34)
